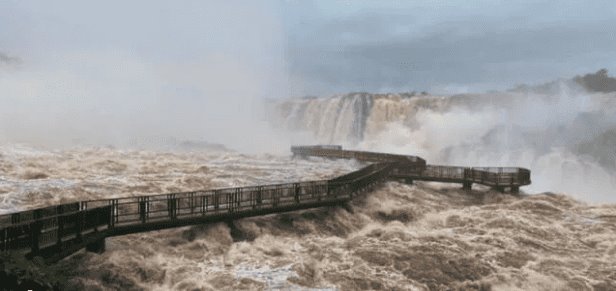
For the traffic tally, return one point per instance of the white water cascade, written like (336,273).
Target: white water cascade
(499,129)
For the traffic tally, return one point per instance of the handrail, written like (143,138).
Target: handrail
(95,216)
(337,152)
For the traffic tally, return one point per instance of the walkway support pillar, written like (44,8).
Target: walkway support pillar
(515,189)
(97,246)
(467,186)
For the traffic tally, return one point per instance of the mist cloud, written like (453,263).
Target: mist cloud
(562,136)
(147,74)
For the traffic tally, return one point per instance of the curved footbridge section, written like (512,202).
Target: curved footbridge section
(57,231)
(412,168)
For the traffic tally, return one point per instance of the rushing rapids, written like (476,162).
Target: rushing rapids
(405,237)
(56,231)
(425,236)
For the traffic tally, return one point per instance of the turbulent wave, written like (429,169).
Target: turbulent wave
(565,134)
(400,237)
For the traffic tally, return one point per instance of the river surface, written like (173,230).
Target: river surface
(426,236)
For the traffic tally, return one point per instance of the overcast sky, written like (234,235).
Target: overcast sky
(321,47)
(446,45)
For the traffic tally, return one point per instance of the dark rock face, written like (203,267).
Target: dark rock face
(18,273)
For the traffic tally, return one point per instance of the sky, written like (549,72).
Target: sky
(108,71)
(326,47)
(198,68)
(448,46)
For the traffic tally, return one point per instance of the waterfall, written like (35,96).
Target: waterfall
(353,118)
(495,129)
(339,119)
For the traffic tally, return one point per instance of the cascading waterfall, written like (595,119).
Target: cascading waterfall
(501,129)
(341,119)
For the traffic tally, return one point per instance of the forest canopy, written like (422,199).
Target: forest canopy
(597,82)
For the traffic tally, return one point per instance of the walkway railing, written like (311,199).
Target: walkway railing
(48,232)
(415,168)
(338,153)
(494,177)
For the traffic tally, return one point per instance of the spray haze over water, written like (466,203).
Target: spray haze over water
(174,75)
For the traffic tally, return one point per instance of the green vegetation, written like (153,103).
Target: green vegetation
(594,82)
(597,82)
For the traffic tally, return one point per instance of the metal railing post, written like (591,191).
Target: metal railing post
(216,200)
(297,192)
(60,232)
(3,239)
(35,231)
(192,202)
(110,214)
(171,206)
(142,209)
(80,221)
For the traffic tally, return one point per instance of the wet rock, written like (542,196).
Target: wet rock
(34,175)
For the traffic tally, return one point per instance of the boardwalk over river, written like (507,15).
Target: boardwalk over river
(57,231)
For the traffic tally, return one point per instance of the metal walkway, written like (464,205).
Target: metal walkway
(58,231)
(415,168)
